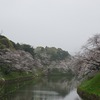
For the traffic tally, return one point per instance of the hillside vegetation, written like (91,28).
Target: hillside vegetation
(16,58)
(5,43)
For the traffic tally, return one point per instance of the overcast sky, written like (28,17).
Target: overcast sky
(65,24)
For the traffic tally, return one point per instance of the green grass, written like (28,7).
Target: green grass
(92,86)
(15,74)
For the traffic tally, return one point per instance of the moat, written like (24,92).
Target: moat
(47,89)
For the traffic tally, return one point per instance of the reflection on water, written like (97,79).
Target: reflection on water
(72,96)
(46,95)
(61,89)
(51,95)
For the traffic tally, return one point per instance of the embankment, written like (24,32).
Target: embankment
(90,89)
(11,85)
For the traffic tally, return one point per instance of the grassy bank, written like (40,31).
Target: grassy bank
(14,75)
(11,82)
(90,88)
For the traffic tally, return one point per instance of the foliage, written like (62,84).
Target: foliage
(2,46)
(46,55)
(88,59)
(91,52)
(8,72)
(57,54)
(25,47)
(16,74)
(28,48)
(5,69)
(52,53)
(5,42)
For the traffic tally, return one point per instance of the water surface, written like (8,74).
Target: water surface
(47,89)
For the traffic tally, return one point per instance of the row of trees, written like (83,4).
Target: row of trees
(52,53)
(6,43)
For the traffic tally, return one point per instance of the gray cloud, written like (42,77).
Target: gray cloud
(61,23)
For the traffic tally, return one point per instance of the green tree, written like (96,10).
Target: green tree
(28,48)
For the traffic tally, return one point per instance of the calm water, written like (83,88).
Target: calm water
(47,89)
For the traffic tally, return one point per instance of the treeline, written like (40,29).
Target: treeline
(51,53)
(54,53)
(6,43)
